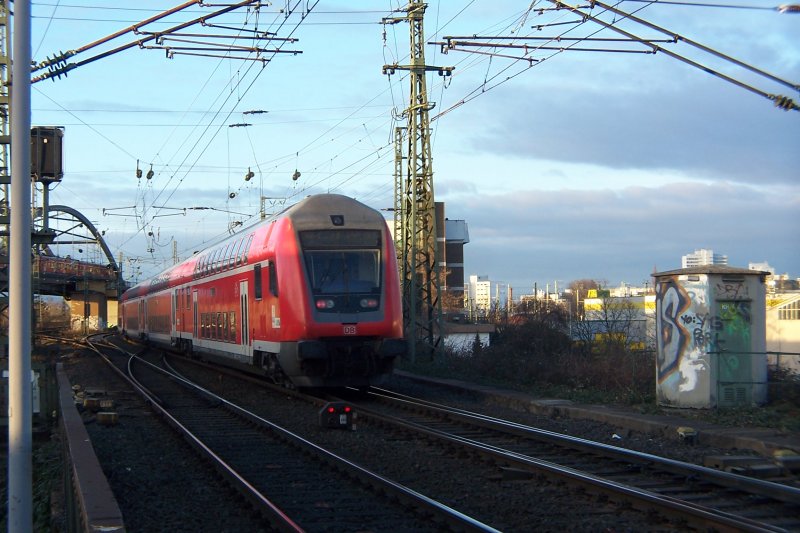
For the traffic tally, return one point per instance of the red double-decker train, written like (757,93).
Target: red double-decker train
(309,297)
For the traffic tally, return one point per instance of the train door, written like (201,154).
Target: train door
(175,326)
(244,309)
(142,318)
(194,316)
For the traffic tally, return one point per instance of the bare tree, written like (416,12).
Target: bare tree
(578,290)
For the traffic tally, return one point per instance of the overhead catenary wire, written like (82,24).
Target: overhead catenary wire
(57,68)
(219,127)
(780,101)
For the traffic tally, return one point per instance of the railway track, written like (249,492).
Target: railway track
(702,496)
(296,484)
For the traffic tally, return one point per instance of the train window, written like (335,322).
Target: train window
(203,326)
(230,254)
(215,260)
(232,325)
(257,278)
(213,328)
(219,326)
(222,260)
(225,326)
(245,249)
(236,247)
(273,279)
(188,297)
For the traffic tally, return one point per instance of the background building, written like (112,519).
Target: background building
(455,237)
(703,257)
(484,296)
(783,331)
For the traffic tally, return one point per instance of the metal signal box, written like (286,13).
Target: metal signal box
(47,153)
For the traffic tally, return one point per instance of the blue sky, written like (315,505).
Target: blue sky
(601,165)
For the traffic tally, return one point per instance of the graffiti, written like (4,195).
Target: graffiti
(706,331)
(736,319)
(672,302)
(727,290)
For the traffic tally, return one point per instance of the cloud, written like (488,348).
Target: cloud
(712,134)
(622,235)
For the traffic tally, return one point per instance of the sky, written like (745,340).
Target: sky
(607,164)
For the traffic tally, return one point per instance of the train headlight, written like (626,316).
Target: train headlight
(369,303)
(325,304)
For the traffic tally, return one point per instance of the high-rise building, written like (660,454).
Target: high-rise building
(703,257)
(455,237)
(485,295)
(451,236)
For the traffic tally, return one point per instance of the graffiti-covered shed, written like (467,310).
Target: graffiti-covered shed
(711,337)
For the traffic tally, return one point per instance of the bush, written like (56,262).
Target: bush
(535,355)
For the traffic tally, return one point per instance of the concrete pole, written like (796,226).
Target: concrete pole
(20,402)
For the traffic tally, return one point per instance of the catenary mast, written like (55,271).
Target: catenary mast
(414,200)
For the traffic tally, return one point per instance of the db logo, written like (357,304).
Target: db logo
(349,329)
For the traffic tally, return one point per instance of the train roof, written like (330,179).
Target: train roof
(304,214)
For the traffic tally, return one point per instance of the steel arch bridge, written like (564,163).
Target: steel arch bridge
(75,233)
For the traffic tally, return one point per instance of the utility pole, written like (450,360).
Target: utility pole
(414,200)
(20,402)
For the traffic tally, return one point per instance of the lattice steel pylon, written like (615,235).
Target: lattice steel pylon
(414,201)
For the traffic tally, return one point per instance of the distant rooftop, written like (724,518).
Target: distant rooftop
(710,269)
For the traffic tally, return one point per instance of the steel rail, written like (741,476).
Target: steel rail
(442,513)
(261,502)
(450,516)
(675,506)
(784,493)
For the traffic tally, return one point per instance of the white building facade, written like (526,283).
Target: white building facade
(703,257)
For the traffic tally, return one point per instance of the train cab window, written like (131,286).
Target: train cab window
(342,261)
(273,279)
(232,326)
(257,281)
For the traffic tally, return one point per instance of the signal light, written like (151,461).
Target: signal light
(337,415)
(369,303)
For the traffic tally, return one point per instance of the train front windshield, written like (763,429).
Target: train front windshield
(342,264)
(343,271)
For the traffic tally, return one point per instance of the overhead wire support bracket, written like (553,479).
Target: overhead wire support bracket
(58,71)
(781,102)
